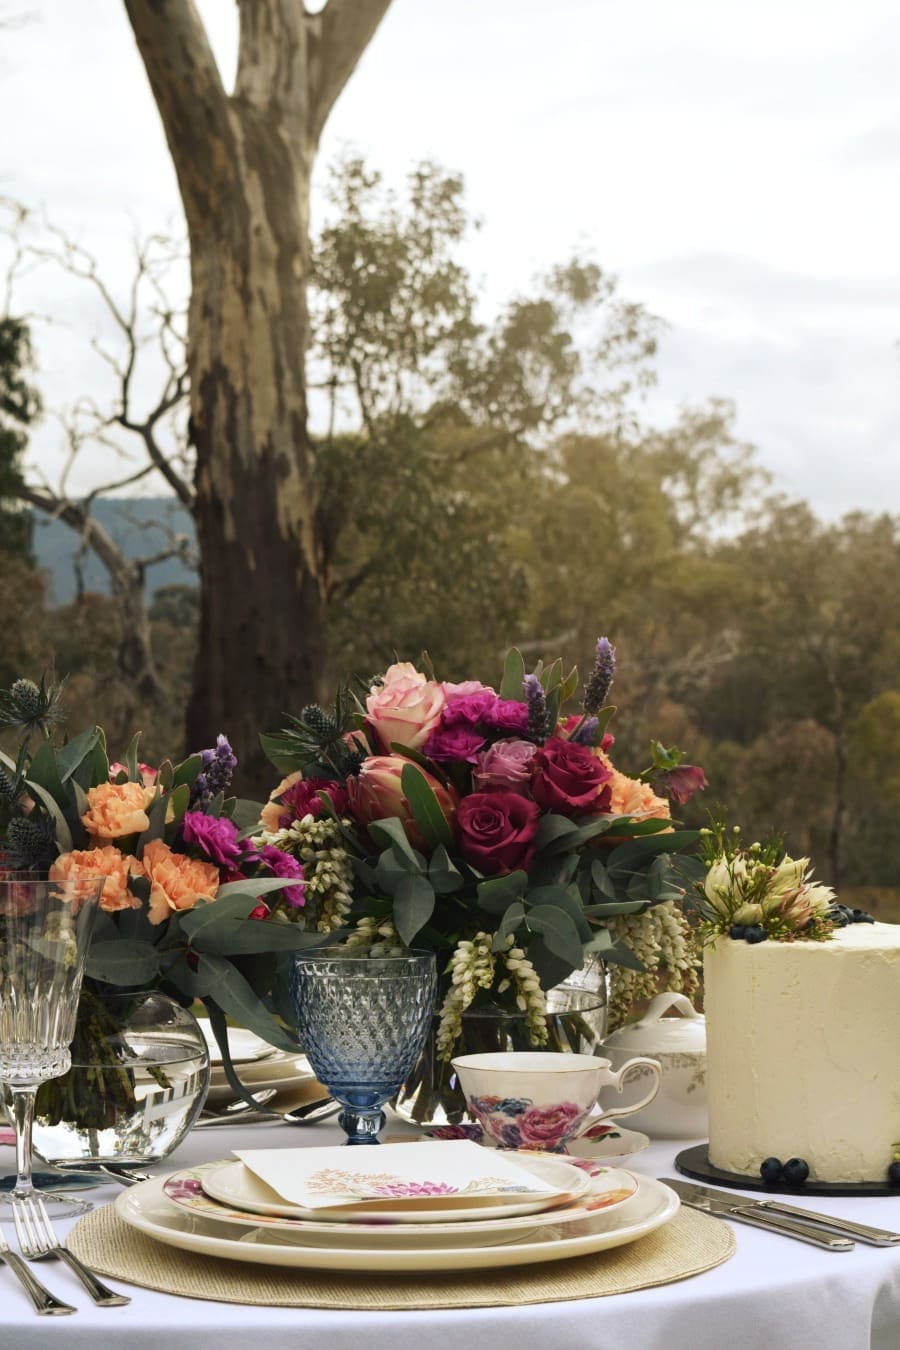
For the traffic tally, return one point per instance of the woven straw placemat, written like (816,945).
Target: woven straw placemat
(688,1245)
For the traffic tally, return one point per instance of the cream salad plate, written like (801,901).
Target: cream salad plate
(147,1208)
(607,1190)
(424,1182)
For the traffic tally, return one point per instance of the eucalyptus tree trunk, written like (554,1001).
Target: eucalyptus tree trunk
(243,163)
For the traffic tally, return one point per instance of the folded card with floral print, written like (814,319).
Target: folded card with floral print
(432,1171)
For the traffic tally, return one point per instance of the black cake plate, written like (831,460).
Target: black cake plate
(694,1162)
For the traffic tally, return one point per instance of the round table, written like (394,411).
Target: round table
(774,1294)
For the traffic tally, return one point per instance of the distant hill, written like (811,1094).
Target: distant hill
(129,523)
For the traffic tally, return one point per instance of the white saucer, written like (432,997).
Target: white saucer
(604,1143)
(244,1046)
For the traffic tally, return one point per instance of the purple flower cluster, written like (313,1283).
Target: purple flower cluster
(601,677)
(216,768)
(467,721)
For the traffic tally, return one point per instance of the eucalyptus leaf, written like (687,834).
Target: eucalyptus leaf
(187,771)
(131,758)
(425,807)
(231,992)
(44,769)
(63,833)
(510,921)
(513,682)
(389,833)
(252,887)
(78,749)
(558,931)
(123,961)
(280,751)
(497,892)
(443,873)
(413,906)
(244,937)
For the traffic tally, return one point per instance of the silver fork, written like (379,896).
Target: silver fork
(43,1300)
(37,1240)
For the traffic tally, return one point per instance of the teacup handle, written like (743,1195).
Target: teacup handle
(618,1082)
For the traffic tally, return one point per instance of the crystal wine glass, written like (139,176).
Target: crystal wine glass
(363,1020)
(45,931)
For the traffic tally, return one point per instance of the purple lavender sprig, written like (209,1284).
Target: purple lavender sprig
(601,677)
(216,767)
(585,732)
(538,716)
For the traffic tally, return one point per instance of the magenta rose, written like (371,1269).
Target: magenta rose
(508,714)
(460,743)
(568,777)
(469,708)
(506,767)
(549,1126)
(497,831)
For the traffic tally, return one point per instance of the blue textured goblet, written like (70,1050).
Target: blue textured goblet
(363,1021)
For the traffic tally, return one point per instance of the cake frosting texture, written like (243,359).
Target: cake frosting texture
(802,1059)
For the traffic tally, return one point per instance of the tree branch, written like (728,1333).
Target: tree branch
(271,69)
(336,39)
(191,99)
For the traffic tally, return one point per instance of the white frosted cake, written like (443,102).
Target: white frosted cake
(802,1058)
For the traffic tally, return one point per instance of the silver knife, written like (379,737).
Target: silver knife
(876,1237)
(730,1207)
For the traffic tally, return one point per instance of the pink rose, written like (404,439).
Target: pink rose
(405,708)
(497,830)
(506,767)
(376,793)
(549,1126)
(568,777)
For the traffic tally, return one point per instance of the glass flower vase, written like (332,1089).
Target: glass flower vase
(138,1081)
(576,1023)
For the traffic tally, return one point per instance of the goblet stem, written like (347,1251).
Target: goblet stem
(360,1126)
(23,1116)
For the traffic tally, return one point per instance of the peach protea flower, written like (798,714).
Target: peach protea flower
(107,862)
(117,809)
(176,881)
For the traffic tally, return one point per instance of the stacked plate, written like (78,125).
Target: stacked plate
(258,1065)
(441,1205)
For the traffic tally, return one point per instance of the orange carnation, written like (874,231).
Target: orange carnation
(117,809)
(272,812)
(631,797)
(176,881)
(105,862)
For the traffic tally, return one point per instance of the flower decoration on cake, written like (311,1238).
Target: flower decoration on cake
(757,893)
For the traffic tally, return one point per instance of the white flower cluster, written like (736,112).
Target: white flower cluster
(327,869)
(472,967)
(530,997)
(379,935)
(660,937)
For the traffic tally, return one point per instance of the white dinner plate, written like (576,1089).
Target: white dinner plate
(610,1189)
(234,1185)
(278,1070)
(146,1208)
(244,1046)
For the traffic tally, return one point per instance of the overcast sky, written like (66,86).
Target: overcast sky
(738,168)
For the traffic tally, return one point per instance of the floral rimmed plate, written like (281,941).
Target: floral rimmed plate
(608,1190)
(600,1144)
(236,1187)
(147,1208)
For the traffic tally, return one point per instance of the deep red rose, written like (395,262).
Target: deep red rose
(497,830)
(568,777)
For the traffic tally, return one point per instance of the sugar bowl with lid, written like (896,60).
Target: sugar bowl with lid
(679,1045)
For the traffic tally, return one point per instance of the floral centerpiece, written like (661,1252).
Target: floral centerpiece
(491,826)
(190,904)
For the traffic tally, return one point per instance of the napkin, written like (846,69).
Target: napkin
(436,1170)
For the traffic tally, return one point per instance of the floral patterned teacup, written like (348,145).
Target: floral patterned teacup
(541,1100)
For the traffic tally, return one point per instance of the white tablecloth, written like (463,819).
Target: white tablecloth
(775,1294)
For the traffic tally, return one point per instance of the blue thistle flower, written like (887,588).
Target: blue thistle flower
(601,677)
(538,718)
